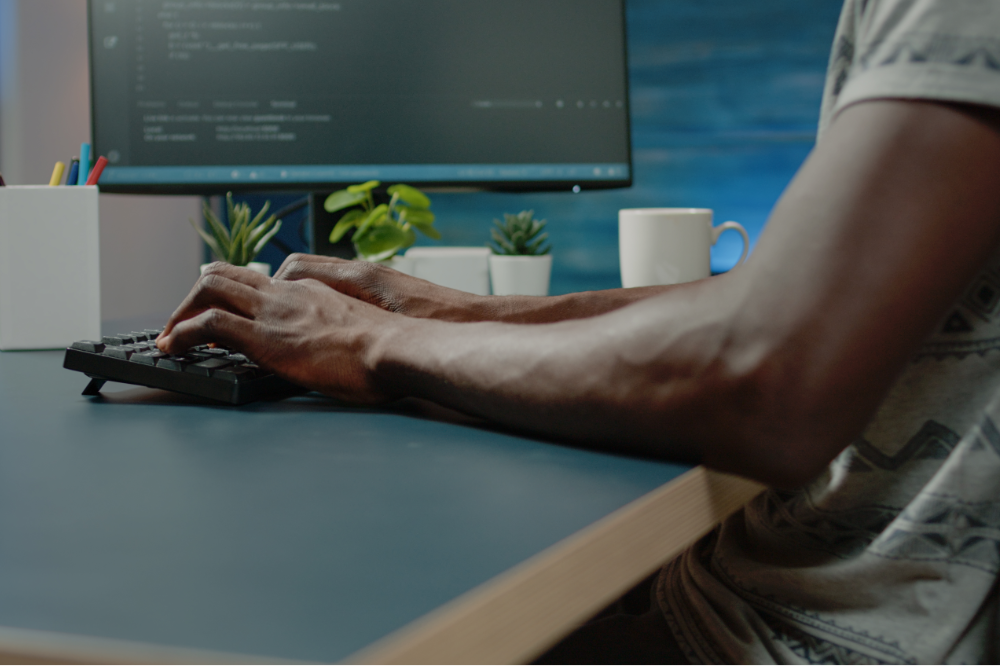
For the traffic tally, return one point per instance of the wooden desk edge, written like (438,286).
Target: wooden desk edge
(33,647)
(512,618)
(519,614)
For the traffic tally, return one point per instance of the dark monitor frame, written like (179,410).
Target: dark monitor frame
(495,185)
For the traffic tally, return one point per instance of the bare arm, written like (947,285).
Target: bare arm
(406,295)
(768,371)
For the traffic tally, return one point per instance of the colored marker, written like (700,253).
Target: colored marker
(57,174)
(95,175)
(74,168)
(81,177)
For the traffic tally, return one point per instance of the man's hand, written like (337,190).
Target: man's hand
(399,293)
(388,289)
(304,331)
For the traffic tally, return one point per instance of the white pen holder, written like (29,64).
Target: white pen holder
(50,276)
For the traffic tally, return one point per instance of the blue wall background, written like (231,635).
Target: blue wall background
(725,100)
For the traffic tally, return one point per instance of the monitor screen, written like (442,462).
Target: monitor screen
(203,96)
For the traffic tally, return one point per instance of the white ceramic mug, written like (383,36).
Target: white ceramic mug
(664,246)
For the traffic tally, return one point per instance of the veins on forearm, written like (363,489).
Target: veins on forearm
(595,381)
(548,309)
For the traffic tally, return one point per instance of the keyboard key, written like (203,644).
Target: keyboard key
(152,333)
(206,367)
(235,374)
(173,363)
(147,358)
(118,352)
(237,357)
(89,346)
(120,339)
(140,336)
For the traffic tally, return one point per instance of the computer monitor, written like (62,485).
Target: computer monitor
(205,96)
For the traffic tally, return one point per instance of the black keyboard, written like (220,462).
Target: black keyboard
(209,372)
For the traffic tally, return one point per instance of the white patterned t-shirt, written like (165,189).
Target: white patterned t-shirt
(892,555)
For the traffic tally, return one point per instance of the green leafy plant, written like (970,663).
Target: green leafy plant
(239,243)
(385,229)
(519,234)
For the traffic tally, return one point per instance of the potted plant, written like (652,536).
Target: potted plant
(240,242)
(381,231)
(520,263)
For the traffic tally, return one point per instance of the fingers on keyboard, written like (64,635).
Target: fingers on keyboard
(205,360)
(212,371)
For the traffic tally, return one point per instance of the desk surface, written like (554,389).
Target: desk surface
(300,530)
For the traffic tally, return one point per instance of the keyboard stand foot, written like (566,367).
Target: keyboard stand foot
(94,387)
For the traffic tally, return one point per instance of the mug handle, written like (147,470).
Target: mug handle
(717,232)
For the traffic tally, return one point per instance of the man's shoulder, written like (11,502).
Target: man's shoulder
(946,50)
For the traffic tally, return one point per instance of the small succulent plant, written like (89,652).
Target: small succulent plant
(519,234)
(244,238)
(385,229)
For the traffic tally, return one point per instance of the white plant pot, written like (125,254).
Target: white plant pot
(262,268)
(520,274)
(466,269)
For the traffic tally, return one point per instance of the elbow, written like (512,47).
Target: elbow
(778,420)
(773,456)
(790,464)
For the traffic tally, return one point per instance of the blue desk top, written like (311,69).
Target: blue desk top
(301,529)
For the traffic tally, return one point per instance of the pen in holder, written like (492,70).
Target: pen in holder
(50,279)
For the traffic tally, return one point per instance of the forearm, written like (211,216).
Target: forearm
(540,310)
(656,378)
